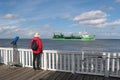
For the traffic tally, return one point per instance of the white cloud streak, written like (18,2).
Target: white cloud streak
(91,15)
(11,24)
(96,18)
(10,16)
(25,32)
(66,16)
(117,1)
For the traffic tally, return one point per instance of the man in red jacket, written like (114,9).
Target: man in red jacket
(37,53)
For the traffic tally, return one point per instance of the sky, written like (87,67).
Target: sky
(24,18)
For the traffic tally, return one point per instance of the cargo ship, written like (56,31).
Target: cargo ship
(81,36)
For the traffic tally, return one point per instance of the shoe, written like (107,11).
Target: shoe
(34,68)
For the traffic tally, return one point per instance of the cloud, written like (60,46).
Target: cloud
(96,18)
(8,31)
(66,16)
(45,31)
(110,8)
(117,1)
(12,31)
(117,22)
(91,15)
(23,20)
(10,16)
(91,18)
(12,19)
(11,24)
(105,7)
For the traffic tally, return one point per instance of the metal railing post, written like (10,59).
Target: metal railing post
(73,63)
(107,65)
(45,60)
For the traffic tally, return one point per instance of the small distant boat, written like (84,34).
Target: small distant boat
(81,36)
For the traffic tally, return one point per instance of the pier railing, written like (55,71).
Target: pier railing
(106,64)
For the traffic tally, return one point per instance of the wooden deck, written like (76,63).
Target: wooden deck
(19,73)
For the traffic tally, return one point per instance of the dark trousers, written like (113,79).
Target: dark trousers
(36,57)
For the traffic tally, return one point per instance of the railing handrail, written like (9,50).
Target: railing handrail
(107,64)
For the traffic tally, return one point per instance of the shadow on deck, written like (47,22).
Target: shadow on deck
(19,73)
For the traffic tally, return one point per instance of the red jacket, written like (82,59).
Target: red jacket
(39,43)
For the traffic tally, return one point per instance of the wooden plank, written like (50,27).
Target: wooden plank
(45,73)
(100,78)
(92,77)
(60,77)
(46,76)
(13,76)
(29,74)
(114,78)
(85,77)
(14,71)
(10,74)
(26,75)
(80,77)
(36,76)
(4,71)
(73,76)
(67,76)
(53,76)
(24,71)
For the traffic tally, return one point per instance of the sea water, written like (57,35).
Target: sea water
(99,45)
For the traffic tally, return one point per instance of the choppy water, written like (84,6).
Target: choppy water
(101,45)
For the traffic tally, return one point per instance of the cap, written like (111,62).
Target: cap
(37,35)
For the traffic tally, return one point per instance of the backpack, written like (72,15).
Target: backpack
(34,45)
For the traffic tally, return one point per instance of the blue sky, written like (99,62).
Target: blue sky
(25,17)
